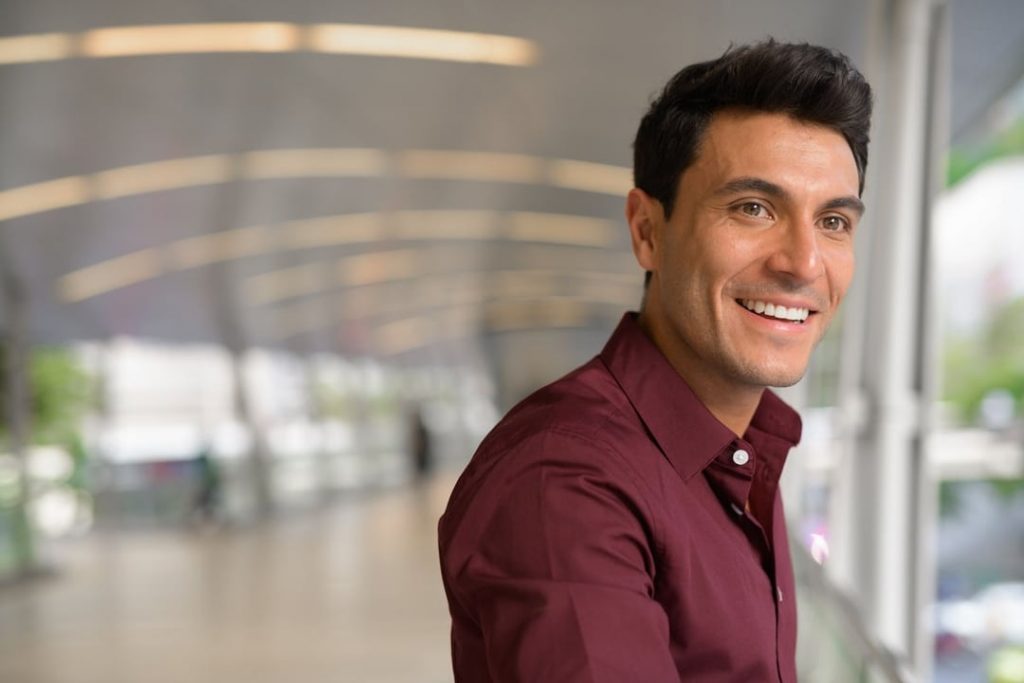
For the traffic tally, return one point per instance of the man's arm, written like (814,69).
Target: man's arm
(558,568)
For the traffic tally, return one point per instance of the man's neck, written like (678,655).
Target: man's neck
(735,412)
(731,402)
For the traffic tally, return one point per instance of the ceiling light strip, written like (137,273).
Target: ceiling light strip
(50,195)
(273,37)
(125,41)
(302,163)
(171,174)
(129,181)
(419,43)
(42,47)
(356,271)
(476,166)
(114,274)
(590,177)
(319,313)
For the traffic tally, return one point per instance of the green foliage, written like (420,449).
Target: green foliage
(994,359)
(1007,489)
(950,502)
(964,160)
(949,499)
(1005,338)
(60,392)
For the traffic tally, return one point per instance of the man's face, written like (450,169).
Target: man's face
(758,253)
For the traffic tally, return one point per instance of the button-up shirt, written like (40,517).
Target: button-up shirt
(610,528)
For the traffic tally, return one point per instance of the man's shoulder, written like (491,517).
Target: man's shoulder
(587,404)
(583,420)
(580,426)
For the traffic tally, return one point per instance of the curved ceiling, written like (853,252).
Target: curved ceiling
(378,178)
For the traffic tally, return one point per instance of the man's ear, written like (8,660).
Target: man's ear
(644,215)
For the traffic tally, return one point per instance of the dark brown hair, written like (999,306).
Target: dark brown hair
(808,82)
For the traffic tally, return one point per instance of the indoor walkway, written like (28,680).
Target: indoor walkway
(349,593)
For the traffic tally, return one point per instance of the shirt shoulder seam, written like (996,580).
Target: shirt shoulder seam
(635,478)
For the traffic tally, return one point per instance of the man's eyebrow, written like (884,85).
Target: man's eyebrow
(754,184)
(852,203)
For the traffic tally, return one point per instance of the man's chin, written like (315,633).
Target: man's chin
(786,381)
(775,376)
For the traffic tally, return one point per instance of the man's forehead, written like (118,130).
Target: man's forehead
(751,134)
(776,147)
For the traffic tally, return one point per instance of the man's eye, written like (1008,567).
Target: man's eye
(753,209)
(834,223)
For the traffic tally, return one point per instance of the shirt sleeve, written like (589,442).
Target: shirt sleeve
(560,576)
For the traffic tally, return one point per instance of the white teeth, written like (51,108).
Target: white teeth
(774,311)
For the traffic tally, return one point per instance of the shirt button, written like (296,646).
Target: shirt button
(780,593)
(737,509)
(741,457)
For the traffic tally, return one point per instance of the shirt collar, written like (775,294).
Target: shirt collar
(685,430)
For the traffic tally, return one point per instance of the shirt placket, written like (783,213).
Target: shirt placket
(734,474)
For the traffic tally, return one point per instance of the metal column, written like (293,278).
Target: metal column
(881,549)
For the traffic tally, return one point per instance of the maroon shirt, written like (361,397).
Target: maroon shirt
(611,529)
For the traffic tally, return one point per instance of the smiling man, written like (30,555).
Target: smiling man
(624,523)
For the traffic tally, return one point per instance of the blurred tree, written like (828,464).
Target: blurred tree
(1005,337)
(963,160)
(981,367)
(991,361)
(61,393)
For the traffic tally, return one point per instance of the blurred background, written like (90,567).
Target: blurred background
(269,271)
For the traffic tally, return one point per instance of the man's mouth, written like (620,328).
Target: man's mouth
(773,311)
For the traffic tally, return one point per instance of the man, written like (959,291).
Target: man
(624,523)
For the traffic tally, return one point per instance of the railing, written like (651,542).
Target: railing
(835,646)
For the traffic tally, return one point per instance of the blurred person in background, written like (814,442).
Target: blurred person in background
(207,500)
(624,522)
(420,447)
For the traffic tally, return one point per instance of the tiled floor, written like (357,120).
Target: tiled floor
(350,593)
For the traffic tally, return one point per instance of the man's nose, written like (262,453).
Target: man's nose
(797,253)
